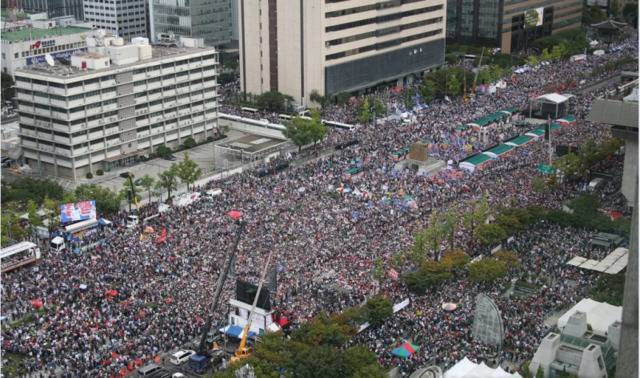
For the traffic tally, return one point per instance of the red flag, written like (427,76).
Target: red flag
(162,237)
(37,303)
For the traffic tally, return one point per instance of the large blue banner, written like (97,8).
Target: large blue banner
(73,212)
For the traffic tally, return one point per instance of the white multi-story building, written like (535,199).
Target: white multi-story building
(332,46)
(126,19)
(27,42)
(115,103)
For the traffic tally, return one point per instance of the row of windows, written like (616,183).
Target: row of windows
(365,8)
(383,45)
(381,19)
(113,126)
(383,32)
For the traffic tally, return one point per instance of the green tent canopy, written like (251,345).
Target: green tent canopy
(519,141)
(477,159)
(499,149)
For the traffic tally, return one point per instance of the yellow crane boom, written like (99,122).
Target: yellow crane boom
(242,350)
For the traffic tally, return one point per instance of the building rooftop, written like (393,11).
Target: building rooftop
(64,71)
(30,34)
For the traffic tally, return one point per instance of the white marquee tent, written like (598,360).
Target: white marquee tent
(468,369)
(599,314)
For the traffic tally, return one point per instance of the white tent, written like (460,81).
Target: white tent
(468,369)
(599,314)
(554,98)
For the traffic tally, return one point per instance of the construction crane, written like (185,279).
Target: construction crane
(200,360)
(242,350)
(475,79)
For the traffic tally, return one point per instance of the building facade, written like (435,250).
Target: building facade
(328,46)
(210,20)
(509,24)
(126,19)
(114,104)
(28,46)
(55,8)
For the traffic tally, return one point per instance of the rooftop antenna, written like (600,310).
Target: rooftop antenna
(50,60)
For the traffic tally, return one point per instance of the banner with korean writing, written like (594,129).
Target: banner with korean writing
(73,212)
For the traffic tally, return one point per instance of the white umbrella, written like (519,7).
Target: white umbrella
(83,287)
(449,306)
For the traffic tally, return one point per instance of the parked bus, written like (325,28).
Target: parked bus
(18,255)
(247,109)
(338,125)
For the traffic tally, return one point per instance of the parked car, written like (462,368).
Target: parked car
(170,158)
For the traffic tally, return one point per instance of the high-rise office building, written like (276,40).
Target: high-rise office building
(126,19)
(55,8)
(207,19)
(509,24)
(329,46)
(115,103)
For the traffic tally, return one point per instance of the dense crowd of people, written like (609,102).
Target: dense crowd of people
(133,297)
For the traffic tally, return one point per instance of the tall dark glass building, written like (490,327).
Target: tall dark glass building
(509,24)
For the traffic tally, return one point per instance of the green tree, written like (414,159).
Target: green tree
(163,151)
(540,372)
(147,182)
(487,270)
(490,234)
(25,189)
(12,230)
(364,112)
(188,171)
(298,131)
(107,201)
(455,259)
(379,309)
(571,165)
(359,362)
(316,129)
(317,98)
(477,214)
(428,90)
(592,15)
(8,90)
(509,223)
(431,273)
(52,210)
(189,142)
(454,86)
(168,179)
(379,109)
(510,258)
(32,211)
(273,101)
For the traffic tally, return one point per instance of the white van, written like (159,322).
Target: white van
(132,221)
(181,356)
(57,244)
